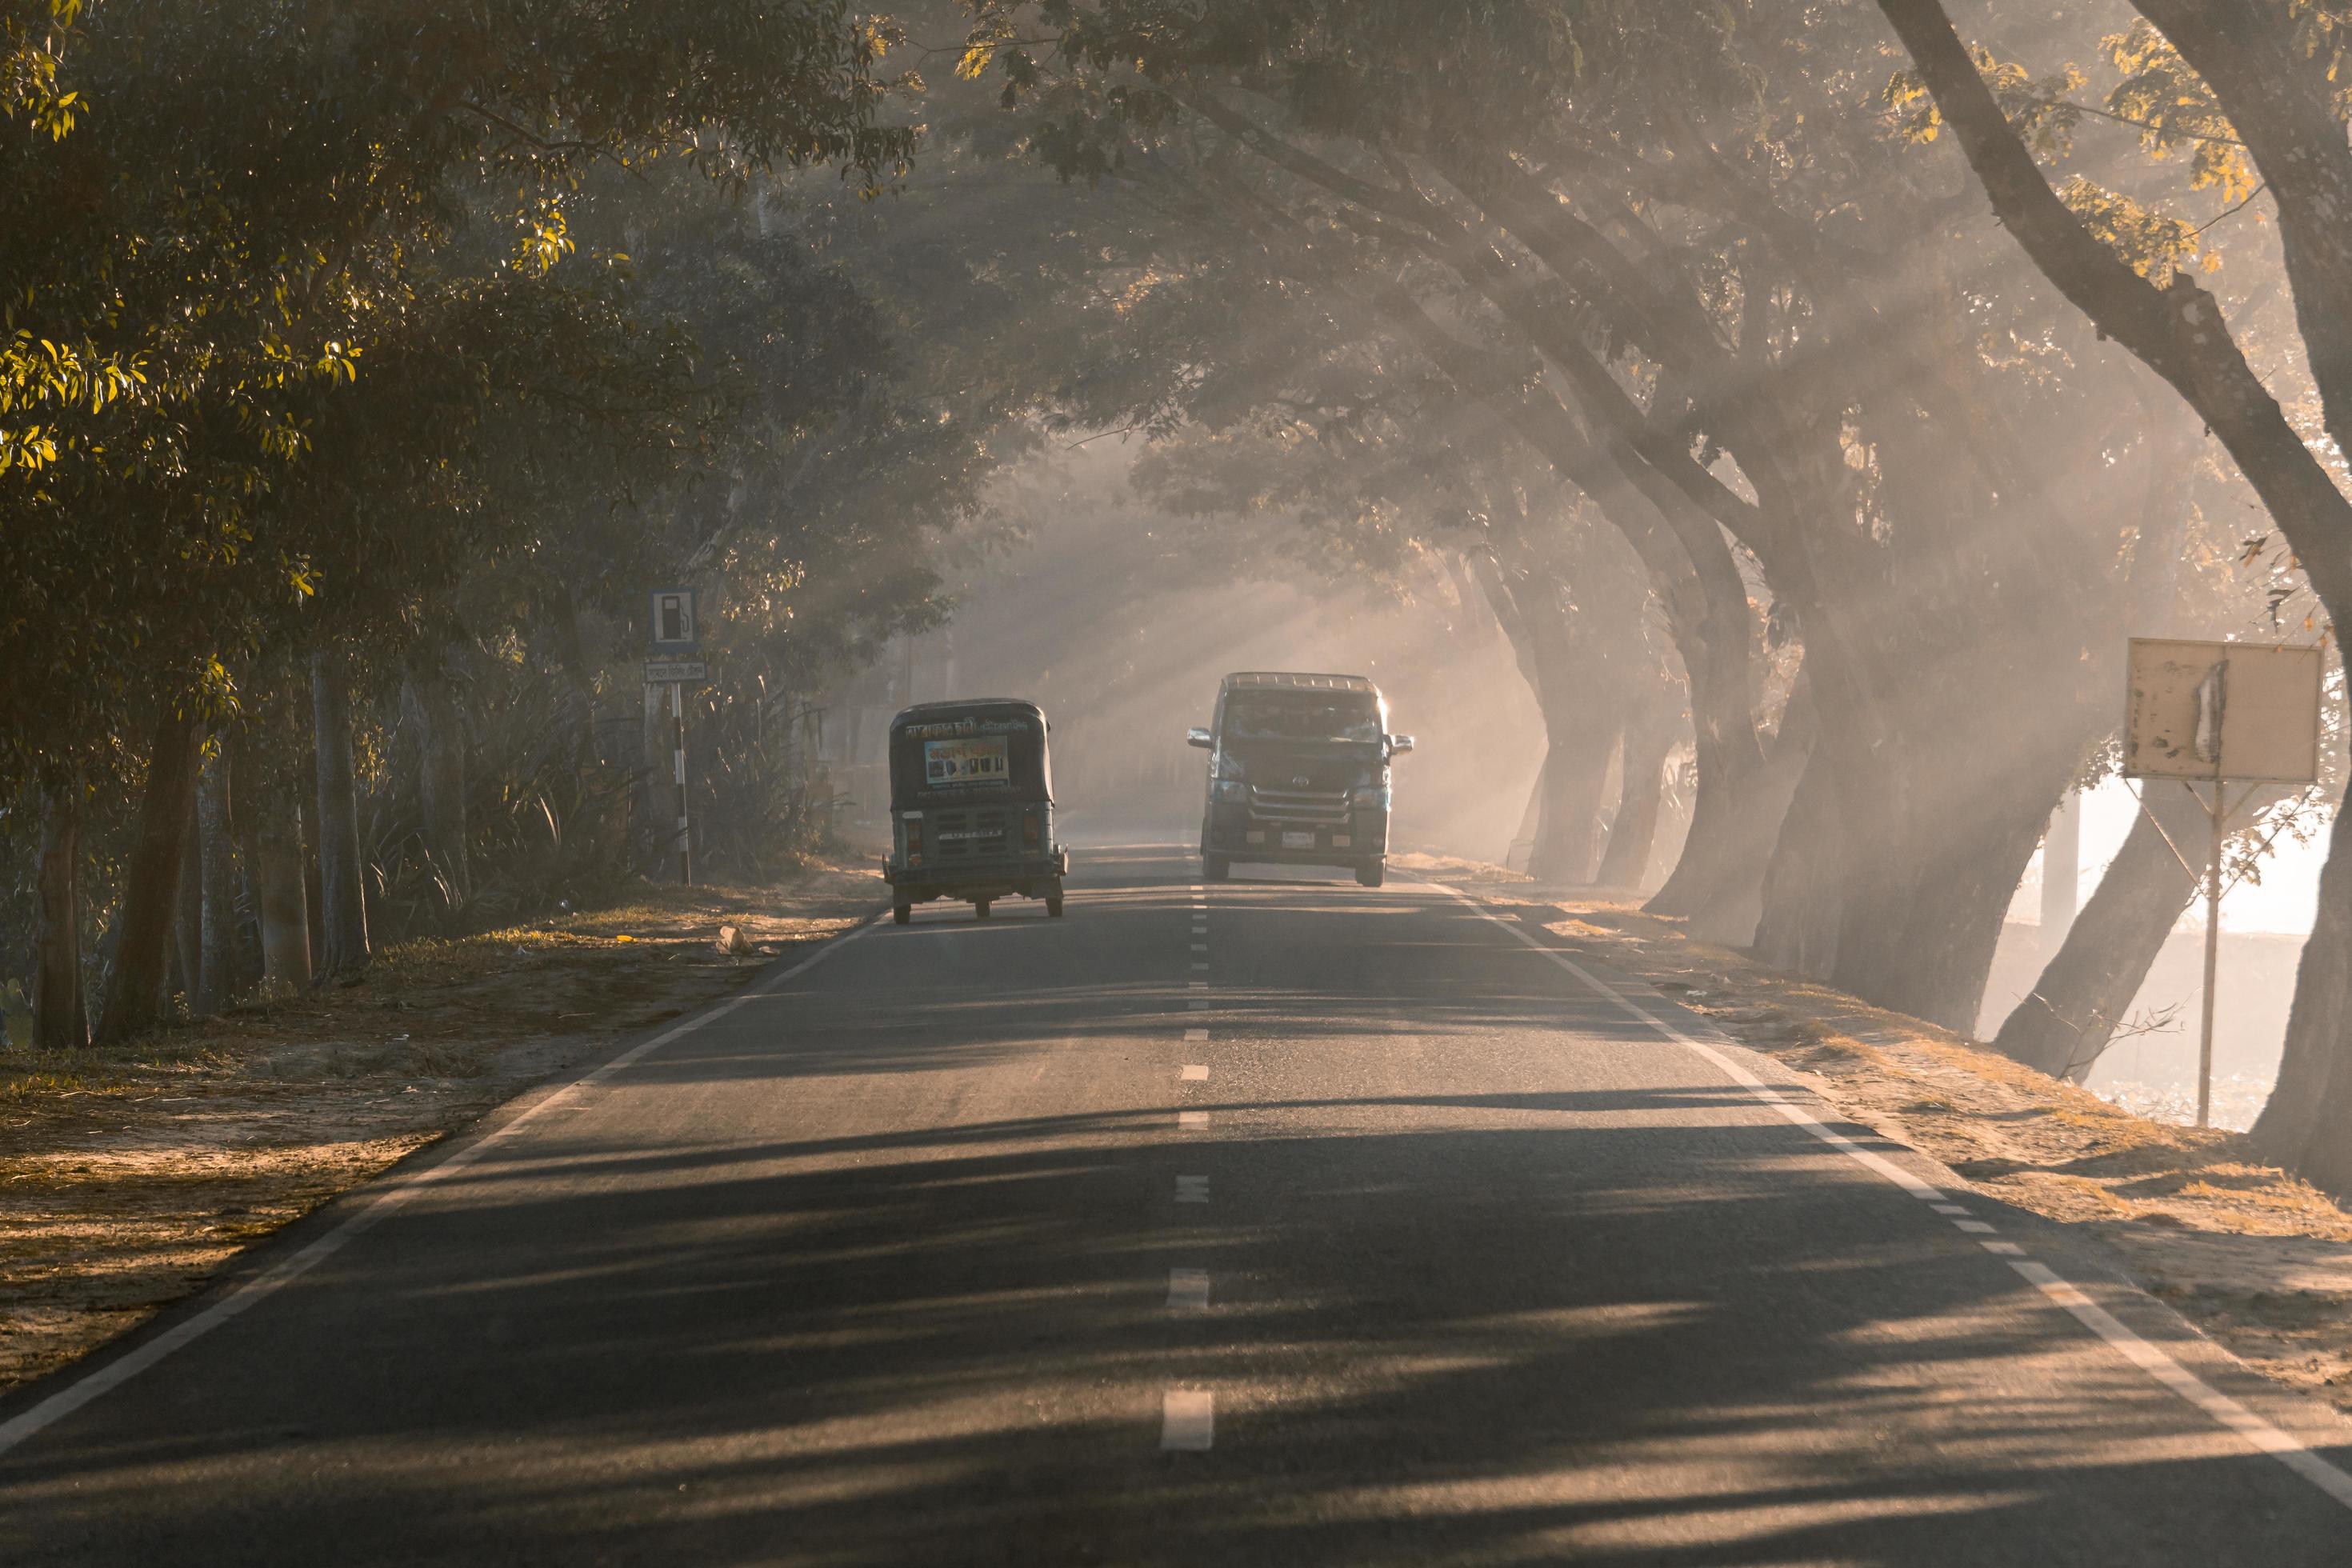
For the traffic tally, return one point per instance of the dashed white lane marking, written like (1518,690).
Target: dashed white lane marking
(1198,984)
(1187,1419)
(1200,947)
(2226,1412)
(1200,967)
(1197,1003)
(1192,1189)
(380,1204)
(1187,1289)
(1196,1033)
(2005,1248)
(1195,1074)
(1192,1121)
(1973,1226)
(1950,1209)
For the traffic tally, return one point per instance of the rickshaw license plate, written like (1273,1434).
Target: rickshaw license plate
(1298,841)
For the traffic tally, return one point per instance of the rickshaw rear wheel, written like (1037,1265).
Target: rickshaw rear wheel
(979,909)
(901,913)
(1054,901)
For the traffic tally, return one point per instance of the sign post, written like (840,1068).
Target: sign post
(2208,713)
(673,646)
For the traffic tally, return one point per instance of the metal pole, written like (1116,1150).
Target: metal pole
(2212,955)
(685,838)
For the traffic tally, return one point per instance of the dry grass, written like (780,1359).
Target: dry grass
(128,1179)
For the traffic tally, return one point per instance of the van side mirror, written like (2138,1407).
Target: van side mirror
(1400,743)
(1197,736)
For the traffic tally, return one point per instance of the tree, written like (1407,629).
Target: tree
(2268,73)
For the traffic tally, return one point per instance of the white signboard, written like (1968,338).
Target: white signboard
(671,628)
(2242,711)
(664,672)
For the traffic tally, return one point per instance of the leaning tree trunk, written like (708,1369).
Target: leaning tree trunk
(60,1014)
(432,708)
(2072,1011)
(216,977)
(2307,1124)
(151,895)
(341,866)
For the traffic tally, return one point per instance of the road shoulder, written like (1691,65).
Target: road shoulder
(2257,1261)
(133,1180)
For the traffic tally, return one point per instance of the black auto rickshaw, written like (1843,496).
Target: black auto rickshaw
(972,806)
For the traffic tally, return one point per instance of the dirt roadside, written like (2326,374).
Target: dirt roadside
(129,1179)
(2259,1261)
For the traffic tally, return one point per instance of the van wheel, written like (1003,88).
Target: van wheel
(901,913)
(1369,876)
(1215,867)
(1054,901)
(979,909)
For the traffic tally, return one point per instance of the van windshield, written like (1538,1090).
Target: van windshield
(1301,715)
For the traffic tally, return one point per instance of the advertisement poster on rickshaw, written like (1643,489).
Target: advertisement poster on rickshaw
(975,763)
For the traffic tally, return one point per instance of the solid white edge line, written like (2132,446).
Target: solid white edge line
(2226,1412)
(376,1205)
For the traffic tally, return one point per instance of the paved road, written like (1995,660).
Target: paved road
(957,1246)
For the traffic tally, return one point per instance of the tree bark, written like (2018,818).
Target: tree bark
(432,708)
(1576,766)
(215,978)
(188,915)
(341,865)
(61,1012)
(284,898)
(151,895)
(1634,833)
(2304,1125)
(2065,1022)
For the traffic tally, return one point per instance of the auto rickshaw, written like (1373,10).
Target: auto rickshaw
(972,806)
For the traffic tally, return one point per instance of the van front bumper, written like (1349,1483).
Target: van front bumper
(1233,833)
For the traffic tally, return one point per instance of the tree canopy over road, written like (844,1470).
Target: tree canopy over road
(1818,393)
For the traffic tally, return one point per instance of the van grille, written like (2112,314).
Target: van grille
(1320,808)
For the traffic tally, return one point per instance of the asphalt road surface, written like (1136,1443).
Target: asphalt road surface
(1270,1222)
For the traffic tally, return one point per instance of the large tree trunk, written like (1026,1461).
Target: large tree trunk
(2307,1124)
(151,895)
(188,915)
(1576,767)
(1726,894)
(1634,833)
(279,888)
(215,978)
(341,865)
(432,708)
(60,1015)
(2072,1011)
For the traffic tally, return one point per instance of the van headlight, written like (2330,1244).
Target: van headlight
(1228,790)
(1373,797)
